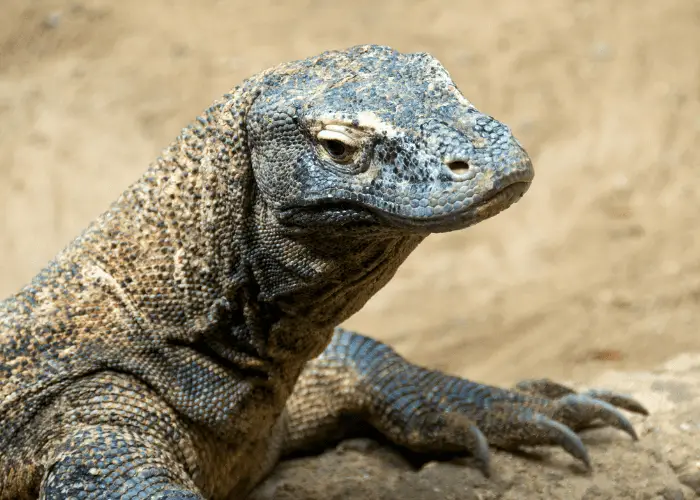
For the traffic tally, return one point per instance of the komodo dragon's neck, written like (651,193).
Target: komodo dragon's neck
(195,230)
(190,273)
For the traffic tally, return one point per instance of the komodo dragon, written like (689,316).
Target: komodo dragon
(187,339)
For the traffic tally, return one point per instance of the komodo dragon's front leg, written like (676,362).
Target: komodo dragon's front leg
(360,380)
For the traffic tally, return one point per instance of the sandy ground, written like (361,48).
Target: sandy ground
(596,268)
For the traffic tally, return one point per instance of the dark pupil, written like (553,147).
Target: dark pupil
(335,148)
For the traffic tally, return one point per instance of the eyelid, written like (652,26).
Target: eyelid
(329,134)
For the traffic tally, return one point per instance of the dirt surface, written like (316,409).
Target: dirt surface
(596,268)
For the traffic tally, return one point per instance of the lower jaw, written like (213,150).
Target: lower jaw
(465,218)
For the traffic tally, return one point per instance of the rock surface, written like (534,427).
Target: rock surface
(663,464)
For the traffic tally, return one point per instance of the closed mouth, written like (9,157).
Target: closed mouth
(362,215)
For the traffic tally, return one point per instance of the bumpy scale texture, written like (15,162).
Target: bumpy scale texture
(187,339)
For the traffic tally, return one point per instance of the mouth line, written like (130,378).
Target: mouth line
(363,215)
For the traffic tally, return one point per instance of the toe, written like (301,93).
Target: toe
(439,432)
(530,428)
(544,387)
(464,433)
(582,411)
(564,437)
(620,400)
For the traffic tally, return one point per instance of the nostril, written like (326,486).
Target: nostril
(458,167)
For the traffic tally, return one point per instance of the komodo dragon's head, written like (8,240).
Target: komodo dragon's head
(371,138)
(317,178)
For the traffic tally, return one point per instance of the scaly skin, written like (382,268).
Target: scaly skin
(185,340)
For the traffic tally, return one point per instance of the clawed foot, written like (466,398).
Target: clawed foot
(559,412)
(432,412)
(428,411)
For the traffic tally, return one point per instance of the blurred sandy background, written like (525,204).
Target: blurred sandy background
(597,267)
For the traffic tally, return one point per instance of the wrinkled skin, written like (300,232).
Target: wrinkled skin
(185,340)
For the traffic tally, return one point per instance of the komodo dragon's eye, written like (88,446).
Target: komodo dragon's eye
(340,146)
(336,149)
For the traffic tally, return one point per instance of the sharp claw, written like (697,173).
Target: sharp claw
(620,400)
(604,411)
(473,440)
(566,438)
(480,450)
